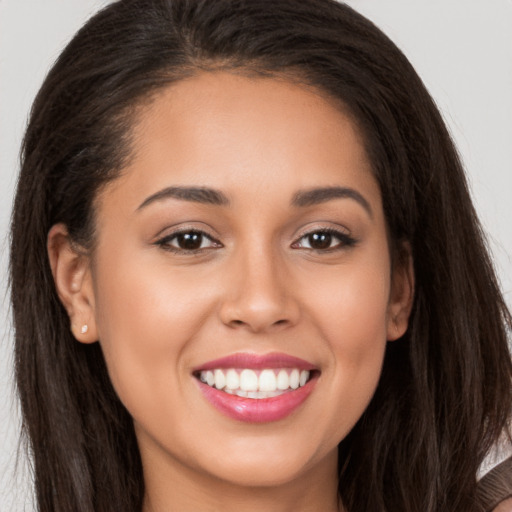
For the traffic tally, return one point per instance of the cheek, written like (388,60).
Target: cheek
(146,316)
(351,313)
(351,305)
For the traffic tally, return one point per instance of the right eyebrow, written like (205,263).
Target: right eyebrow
(201,195)
(314,196)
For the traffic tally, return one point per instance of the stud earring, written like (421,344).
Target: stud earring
(84,328)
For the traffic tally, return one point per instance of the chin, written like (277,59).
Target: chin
(267,464)
(256,472)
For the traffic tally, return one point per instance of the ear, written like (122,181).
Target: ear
(73,281)
(402,293)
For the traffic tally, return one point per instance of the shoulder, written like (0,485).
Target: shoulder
(504,506)
(495,488)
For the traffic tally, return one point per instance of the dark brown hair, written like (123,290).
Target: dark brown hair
(445,392)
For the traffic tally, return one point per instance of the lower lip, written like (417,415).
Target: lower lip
(251,410)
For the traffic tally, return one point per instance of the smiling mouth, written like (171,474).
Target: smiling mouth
(257,388)
(255,383)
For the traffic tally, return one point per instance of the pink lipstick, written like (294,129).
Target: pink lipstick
(256,388)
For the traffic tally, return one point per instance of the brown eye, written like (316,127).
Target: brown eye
(189,241)
(324,240)
(320,240)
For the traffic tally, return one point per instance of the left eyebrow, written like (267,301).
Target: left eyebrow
(314,196)
(201,195)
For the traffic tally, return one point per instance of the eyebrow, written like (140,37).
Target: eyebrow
(201,195)
(302,199)
(315,196)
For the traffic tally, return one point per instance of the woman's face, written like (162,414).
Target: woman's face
(245,245)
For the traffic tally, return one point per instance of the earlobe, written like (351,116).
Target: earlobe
(71,274)
(402,294)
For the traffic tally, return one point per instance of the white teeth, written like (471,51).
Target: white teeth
(283,382)
(255,384)
(294,379)
(232,379)
(267,381)
(248,380)
(220,379)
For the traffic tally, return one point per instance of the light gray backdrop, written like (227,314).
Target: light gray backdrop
(461,48)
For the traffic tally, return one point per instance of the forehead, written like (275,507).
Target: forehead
(237,133)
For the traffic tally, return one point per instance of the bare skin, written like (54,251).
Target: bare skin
(258,282)
(504,506)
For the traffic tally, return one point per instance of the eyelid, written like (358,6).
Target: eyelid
(326,227)
(185,227)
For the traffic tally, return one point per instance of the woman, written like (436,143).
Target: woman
(246,271)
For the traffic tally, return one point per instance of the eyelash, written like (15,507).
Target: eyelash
(165,242)
(345,241)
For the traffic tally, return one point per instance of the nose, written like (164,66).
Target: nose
(260,294)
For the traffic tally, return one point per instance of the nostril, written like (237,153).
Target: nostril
(241,322)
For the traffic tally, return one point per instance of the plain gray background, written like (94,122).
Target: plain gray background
(461,48)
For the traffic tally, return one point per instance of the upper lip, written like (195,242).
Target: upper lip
(257,362)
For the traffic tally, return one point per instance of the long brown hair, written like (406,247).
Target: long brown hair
(445,392)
